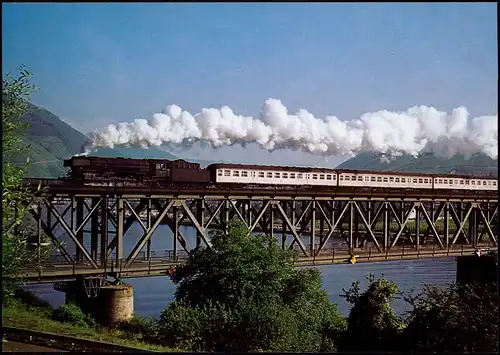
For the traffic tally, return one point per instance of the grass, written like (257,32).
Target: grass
(39,319)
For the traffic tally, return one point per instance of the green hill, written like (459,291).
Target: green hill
(479,164)
(51,140)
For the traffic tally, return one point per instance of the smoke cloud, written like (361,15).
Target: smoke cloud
(419,129)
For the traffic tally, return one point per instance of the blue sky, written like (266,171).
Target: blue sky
(98,63)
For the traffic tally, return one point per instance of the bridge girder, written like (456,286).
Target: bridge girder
(316,225)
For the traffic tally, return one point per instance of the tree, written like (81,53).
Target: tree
(372,324)
(15,197)
(459,318)
(245,294)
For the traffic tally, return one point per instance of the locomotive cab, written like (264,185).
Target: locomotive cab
(162,170)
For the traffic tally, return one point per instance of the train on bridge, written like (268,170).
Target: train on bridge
(165,173)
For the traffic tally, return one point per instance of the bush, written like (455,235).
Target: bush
(245,294)
(372,324)
(28,298)
(71,313)
(459,318)
(144,327)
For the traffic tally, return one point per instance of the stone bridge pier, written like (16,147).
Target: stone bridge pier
(109,304)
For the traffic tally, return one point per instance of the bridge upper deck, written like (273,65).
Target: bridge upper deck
(61,187)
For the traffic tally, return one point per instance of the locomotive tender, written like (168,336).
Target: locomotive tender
(179,172)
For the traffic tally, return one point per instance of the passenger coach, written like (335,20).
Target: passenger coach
(279,175)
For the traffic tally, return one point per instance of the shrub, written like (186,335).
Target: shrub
(144,327)
(71,313)
(245,294)
(458,318)
(28,298)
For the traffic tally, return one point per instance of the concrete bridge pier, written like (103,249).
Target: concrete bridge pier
(108,304)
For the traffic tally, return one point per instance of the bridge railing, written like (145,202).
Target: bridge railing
(57,261)
(167,257)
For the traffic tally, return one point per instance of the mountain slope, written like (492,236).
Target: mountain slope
(428,163)
(50,140)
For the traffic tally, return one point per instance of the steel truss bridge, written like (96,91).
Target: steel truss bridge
(324,227)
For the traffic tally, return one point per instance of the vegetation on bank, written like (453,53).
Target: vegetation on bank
(27,311)
(244,294)
(294,318)
(16,248)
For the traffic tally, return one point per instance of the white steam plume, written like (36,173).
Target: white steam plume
(419,129)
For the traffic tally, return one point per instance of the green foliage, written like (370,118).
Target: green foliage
(244,294)
(143,327)
(71,313)
(29,299)
(372,324)
(15,198)
(459,318)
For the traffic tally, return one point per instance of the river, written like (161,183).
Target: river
(152,294)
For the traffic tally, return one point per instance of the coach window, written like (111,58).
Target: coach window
(445,181)
(494,183)
(461,182)
(379,179)
(244,174)
(473,182)
(484,182)
(219,172)
(322,176)
(373,178)
(347,178)
(261,174)
(360,178)
(386,179)
(292,175)
(440,181)
(284,175)
(315,176)
(277,175)
(236,173)
(341,177)
(328,177)
(300,176)
(403,179)
(420,181)
(397,179)
(227,173)
(334,177)
(391,179)
(269,175)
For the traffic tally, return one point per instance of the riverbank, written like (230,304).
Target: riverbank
(20,315)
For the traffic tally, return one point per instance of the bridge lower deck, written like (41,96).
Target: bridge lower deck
(160,266)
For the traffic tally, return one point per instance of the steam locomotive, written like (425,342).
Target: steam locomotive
(166,173)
